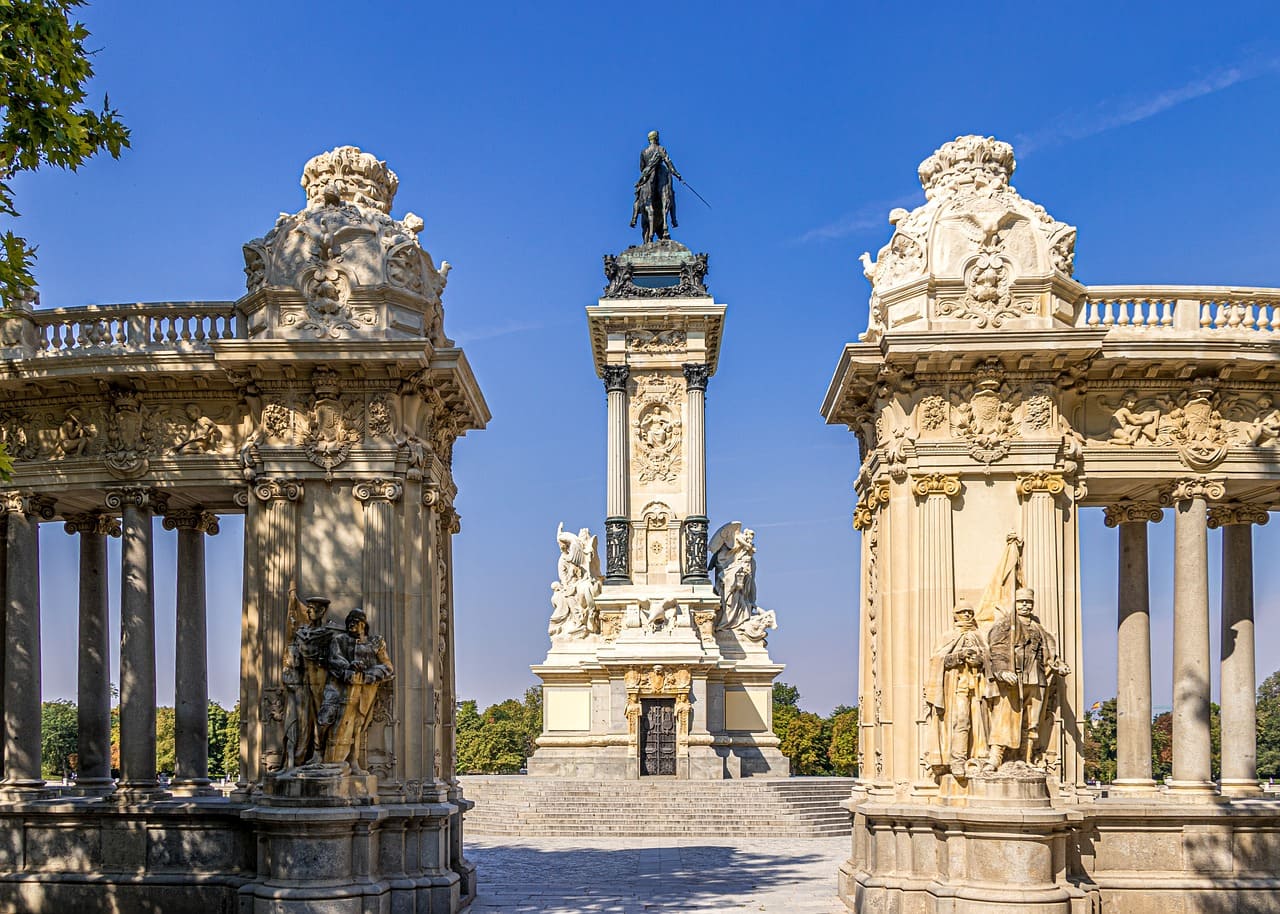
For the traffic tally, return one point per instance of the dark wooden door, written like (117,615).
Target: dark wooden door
(657,736)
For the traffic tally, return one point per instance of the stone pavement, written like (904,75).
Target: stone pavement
(642,875)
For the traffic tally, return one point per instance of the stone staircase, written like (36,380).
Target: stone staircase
(518,805)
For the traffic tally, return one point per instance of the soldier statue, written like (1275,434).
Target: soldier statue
(655,197)
(955,694)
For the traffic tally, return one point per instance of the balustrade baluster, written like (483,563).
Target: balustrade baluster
(1124,320)
(1108,318)
(1166,313)
(1093,320)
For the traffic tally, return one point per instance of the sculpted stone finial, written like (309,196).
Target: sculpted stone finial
(349,175)
(967,161)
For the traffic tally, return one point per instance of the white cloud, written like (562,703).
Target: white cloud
(874,215)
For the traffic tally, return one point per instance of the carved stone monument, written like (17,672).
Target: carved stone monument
(653,669)
(323,406)
(993,398)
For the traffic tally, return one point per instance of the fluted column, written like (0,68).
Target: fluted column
(1239,714)
(694,559)
(93,667)
(617,521)
(22,640)
(1133,648)
(137,642)
(191,655)
(1192,769)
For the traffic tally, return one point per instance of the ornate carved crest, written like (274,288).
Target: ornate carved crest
(657,429)
(1195,427)
(332,428)
(983,413)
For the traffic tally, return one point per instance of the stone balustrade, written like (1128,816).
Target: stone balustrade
(98,329)
(1182,308)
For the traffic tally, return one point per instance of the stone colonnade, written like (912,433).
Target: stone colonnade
(22,694)
(1198,506)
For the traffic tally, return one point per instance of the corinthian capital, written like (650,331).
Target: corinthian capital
(1189,487)
(1236,512)
(936,484)
(101,524)
(1132,512)
(192,519)
(696,375)
(28,503)
(615,377)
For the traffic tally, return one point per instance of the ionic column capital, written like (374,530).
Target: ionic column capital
(1132,512)
(101,524)
(273,489)
(191,519)
(615,377)
(450,520)
(877,495)
(137,497)
(1235,512)
(28,503)
(378,489)
(1210,488)
(933,484)
(696,375)
(1041,482)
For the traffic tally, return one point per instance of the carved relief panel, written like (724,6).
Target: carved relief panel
(657,429)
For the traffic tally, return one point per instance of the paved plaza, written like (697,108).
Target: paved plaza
(637,875)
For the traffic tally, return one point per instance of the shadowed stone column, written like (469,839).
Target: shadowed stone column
(694,559)
(137,642)
(1192,770)
(1239,714)
(1133,649)
(191,661)
(617,525)
(22,640)
(93,667)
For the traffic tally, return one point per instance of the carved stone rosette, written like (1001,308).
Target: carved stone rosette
(192,519)
(1236,513)
(1189,487)
(1132,512)
(617,546)
(693,534)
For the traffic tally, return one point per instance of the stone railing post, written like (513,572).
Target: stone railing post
(1133,648)
(22,748)
(617,523)
(191,653)
(93,666)
(1239,714)
(695,526)
(1192,771)
(137,641)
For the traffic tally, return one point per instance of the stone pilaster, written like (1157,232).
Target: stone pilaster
(433,737)
(191,653)
(22,749)
(1133,648)
(617,484)
(137,641)
(1190,497)
(271,561)
(380,571)
(695,527)
(93,665)
(1239,714)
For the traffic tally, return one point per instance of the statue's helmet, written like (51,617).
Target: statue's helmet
(356,615)
(962,609)
(1024,593)
(321,602)
(653,136)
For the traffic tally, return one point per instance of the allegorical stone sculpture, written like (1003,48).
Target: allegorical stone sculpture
(1024,662)
(732,561)
(655,204)
(358,665)
(305,673)
(573,596)
(955,693)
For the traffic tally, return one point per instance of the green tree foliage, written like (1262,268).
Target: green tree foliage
(807,743)
(166,745)
(44,67)
(218,735)
(500,740)
(786,705)
(1269,727)
(843,751)
(231,743)
(1100,743)
(58,738)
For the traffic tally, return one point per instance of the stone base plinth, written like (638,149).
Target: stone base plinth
(701,762)
(1115,855)
(324,786)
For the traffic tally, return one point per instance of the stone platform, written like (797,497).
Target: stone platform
(560,807)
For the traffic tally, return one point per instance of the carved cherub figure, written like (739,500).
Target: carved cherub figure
(1132,425)
(203,434)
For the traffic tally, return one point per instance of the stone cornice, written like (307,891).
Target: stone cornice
(192,519)
(1132,512)
(1236,512)
(101,524)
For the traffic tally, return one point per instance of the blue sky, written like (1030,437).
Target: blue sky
(515,131)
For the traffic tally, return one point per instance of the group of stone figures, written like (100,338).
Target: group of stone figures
(332,676)
(990,694)
(731,561)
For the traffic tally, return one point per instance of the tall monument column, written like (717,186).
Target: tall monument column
(93,662)
(617,523)
(1239,713)
(694,551)
(1192,773)
(1133,648)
